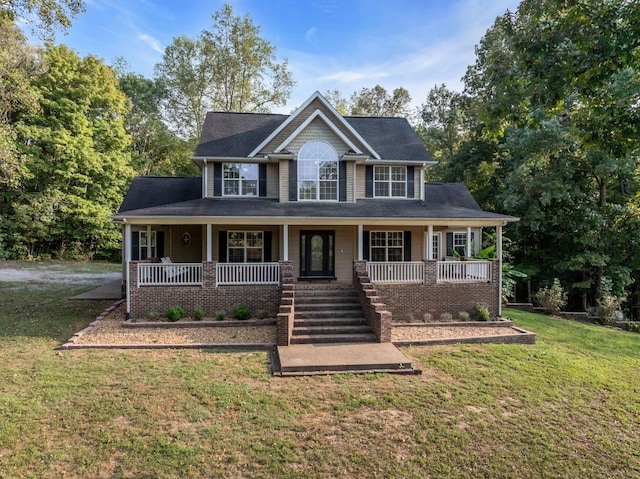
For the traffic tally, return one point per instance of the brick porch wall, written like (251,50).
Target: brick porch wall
(258,297)
(375,311)
(413,300)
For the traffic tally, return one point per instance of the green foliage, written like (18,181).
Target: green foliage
(552,298)
(175,313)
(481,312)
(221,315)
(227,68)
(44,16)
(609,305)
(463,316)
(377,101)
(241,312)
(198,313)
(74,151)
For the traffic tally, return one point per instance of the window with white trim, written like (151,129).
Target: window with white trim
(390,181)
(144,242)
(245,246)
(460,243)
(386,245)
(317,172)
(435,246)
(240,179)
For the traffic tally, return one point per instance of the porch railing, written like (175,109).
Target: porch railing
(396,271)
(464,271)
(247,273)
(173,274)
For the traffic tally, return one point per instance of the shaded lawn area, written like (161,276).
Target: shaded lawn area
(568,406)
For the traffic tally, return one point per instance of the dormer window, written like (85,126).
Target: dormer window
(240,179)
(318,172)
(390,181)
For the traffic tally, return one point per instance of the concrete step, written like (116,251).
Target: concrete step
(326,299)
(303,359)
(309,293)
(333,338)
(327,306)
(335,329)
(329,321)
(329,313)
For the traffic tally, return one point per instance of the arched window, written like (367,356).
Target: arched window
(317,171)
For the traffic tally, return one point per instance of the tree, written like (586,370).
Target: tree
(377,101)
(340,103)
(78,161)
(46,15)
(227,68)
(557,85)
(155,150)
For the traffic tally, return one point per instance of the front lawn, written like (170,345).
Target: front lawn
(568,406)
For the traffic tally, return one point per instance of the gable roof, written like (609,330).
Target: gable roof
(243,135)
(153,191)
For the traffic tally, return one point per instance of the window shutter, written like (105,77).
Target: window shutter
(473,241)
(342,181)
(407,245)
(449,244)
(368,181)
(135,245)
(266,254)
(217,179)
(410,181)
(262,179)
(366,245)
(159,244)
(222,247)
(293,180)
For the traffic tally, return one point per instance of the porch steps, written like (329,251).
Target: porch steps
(327,314)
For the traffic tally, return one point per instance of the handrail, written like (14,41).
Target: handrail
(464,271)
(247,273)
(172,274)
(396,271)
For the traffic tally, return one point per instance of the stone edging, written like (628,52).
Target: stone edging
(72,340)
(198,324)
(501,323)
(225,346)
(522,337)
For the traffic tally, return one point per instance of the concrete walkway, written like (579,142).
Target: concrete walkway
(110,290)
(309,359)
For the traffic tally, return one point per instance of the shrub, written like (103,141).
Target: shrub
(198,313)
(463,316)
(446,317)
(175,313)
(609,305)
(427,317)
(242,312)
(221,315)
(262,314)
(552,299)
(153,314)
(481,312)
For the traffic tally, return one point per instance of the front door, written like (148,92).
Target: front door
(317,254)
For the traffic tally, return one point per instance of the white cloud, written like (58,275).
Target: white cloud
(310,35)
(152,42)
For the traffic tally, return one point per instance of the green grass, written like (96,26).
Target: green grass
(568,406)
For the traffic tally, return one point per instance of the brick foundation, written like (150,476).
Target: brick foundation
(158,299)
(373,307)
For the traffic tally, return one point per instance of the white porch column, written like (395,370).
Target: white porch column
(285,242)
(127,260)
(148,241)
(469,253)
(209,242)
(499,256)
(360,241)
(429,242)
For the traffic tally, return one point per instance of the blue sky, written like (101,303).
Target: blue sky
(343,44)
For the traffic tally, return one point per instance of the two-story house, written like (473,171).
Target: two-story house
(293,205)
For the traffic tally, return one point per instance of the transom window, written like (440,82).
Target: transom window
(387,245)
(245,246)
(317,172)
(145,240)
(390,181)
(240,179)
(460,243)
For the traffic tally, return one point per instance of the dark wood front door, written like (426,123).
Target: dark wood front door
(317,254)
